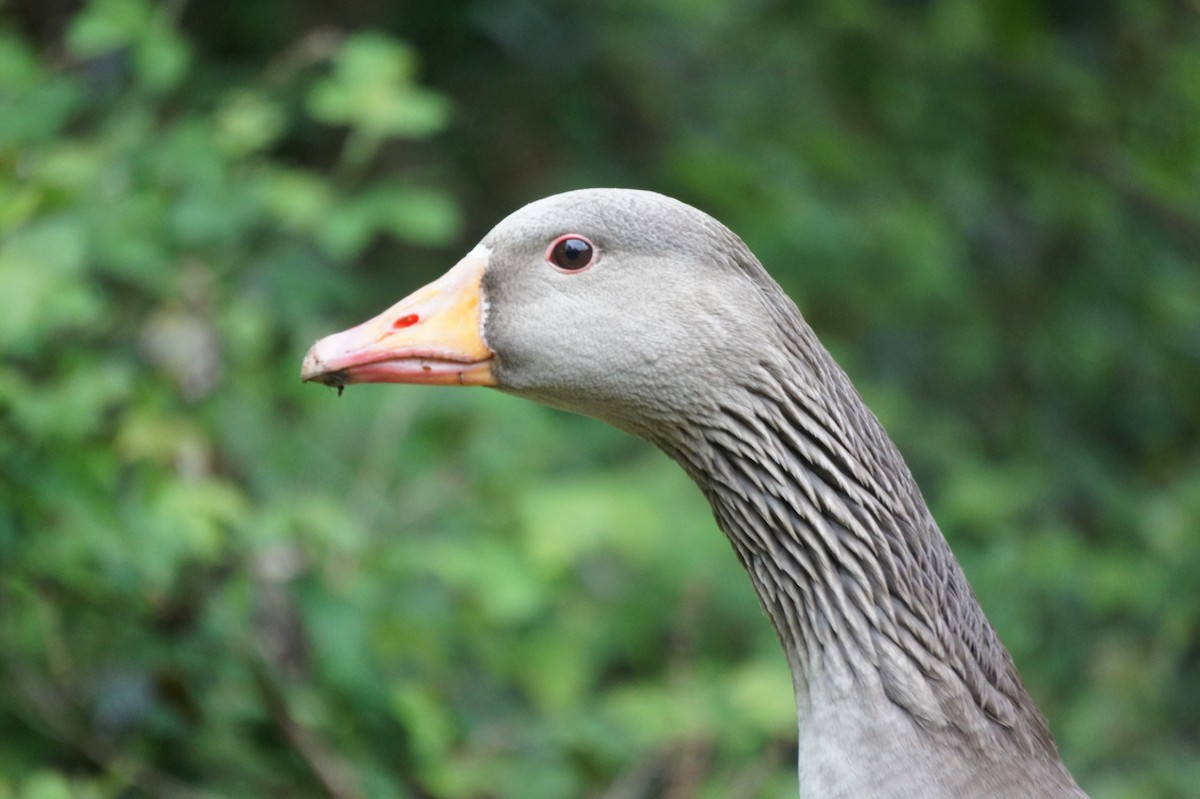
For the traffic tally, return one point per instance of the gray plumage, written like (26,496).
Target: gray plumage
(678,335)
(673,331)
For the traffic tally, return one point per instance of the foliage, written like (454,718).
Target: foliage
(217,582)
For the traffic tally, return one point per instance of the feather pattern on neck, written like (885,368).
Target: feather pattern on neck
(871,607)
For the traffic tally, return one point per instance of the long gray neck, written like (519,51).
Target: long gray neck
(877,620)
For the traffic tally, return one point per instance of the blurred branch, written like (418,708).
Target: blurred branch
(314,47)
(389,430)
(636,782)
(48,711)
(749,782)
(174,9)
(676,771)
(334,774)
(688,765)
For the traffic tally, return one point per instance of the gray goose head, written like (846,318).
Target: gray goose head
(646,313)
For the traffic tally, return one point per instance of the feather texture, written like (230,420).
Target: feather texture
(675,332)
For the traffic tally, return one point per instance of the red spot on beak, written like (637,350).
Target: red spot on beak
(406,321)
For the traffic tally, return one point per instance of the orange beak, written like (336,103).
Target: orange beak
(434,336)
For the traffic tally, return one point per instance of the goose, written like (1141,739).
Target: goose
(646,313)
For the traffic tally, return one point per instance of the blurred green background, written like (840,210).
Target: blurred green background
(217,582)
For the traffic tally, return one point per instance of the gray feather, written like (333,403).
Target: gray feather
(678,335)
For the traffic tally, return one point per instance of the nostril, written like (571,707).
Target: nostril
(406,321)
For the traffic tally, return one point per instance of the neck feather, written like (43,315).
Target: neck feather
(866,597)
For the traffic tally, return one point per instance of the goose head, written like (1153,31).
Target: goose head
(624,305)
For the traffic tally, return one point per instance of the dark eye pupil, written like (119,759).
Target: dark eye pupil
(572,254)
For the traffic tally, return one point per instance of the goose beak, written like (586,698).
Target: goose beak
(434,337)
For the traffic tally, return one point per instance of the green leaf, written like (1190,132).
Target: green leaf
(421,216)
(69,407)
(426,721)
(36,103)
(249,121)
(43,284)
(162,58)
(107,25)
(298,199)
(20,70)
(371,90)
(46,785)
(160,54)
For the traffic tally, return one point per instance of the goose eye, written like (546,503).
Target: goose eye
(571,253)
